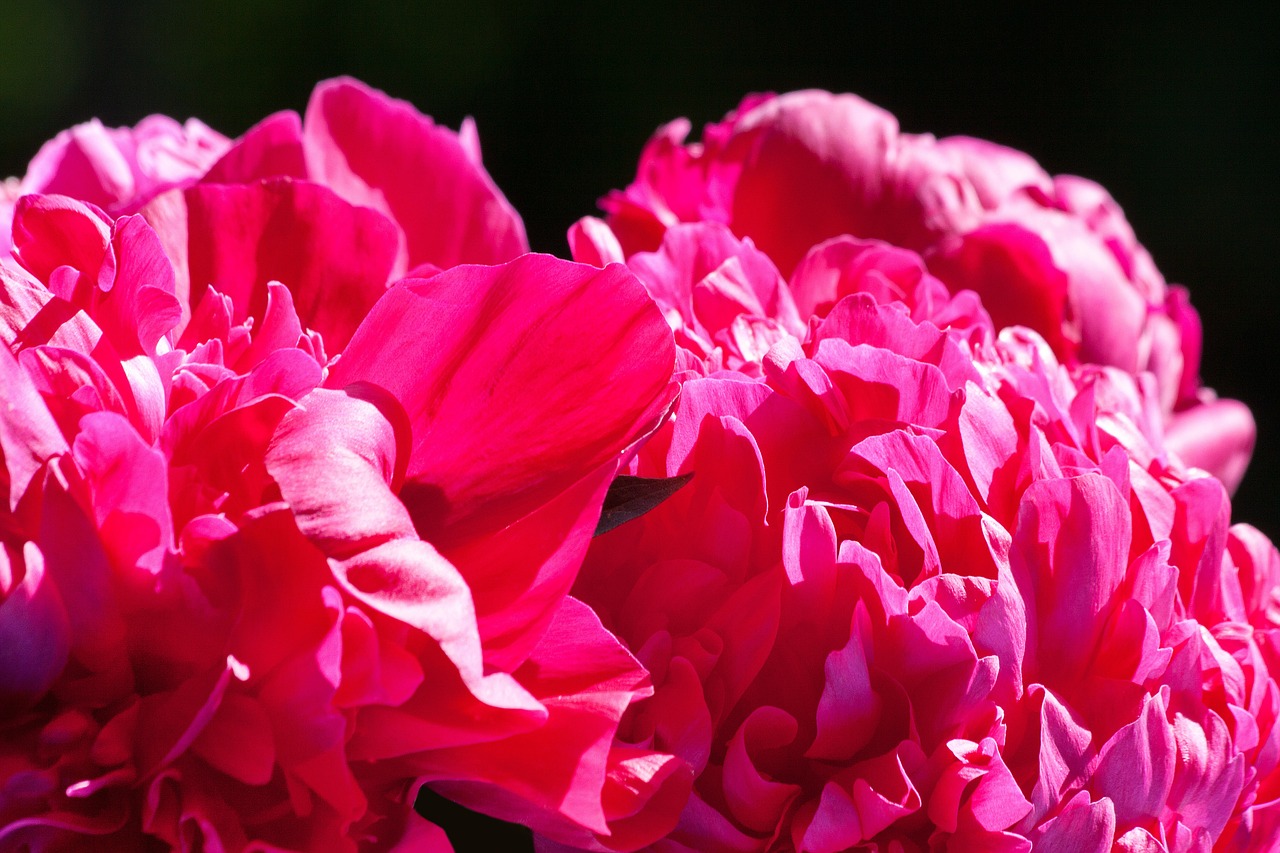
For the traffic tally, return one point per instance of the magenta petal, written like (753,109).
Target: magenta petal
(1209,774)
(552,777)
(1070,552)
(134,303)
(591,241)
(170,721)
(336,460)
(477,390)
(1012,268)
(55,232)
(839,143)
(420,835)
(380,152)
(88,161)
(1082,827)
(753,798)
(272,148)
(334,257)
(1136,766)
(520,574)
(128,482)
(849,710)
(1065,751)
(238,740)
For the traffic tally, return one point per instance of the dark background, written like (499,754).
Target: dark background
(1175,113)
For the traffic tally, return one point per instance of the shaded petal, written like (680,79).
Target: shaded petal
(35,634)
(29,437)
(1136,766)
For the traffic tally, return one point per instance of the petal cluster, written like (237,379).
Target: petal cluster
(1052,253)
(292,502)
(930,588)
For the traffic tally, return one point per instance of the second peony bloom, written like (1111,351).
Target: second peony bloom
(802,173)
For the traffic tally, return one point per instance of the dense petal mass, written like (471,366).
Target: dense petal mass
(928,589)
(1055,254)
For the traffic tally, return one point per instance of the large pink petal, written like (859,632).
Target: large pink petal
(552,777)
(478,390)
(520,574)
(272,148)
(380,152)
(838,146)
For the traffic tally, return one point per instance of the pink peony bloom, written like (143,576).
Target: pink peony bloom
(1052,253)
(253,596)
(932,590)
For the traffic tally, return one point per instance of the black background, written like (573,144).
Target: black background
(1174,112)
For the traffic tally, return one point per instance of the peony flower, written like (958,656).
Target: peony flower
(254,595)
(929,589)
(1055,254)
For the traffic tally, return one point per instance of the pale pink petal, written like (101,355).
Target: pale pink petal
(1217,436)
